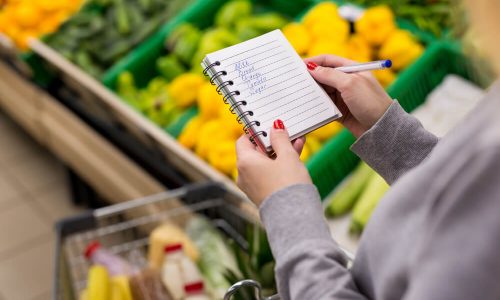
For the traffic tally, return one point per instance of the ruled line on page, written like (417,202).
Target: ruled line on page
(283,113)
(271,71)
(309,117)
(285,88)
(237,54)
(252,56)
(287,103)
(268,80)
(256,62)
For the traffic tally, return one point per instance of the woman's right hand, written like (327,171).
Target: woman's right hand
(359,96)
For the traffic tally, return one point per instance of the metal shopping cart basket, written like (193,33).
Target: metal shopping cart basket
(125,227)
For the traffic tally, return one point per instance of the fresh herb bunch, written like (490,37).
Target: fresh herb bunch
(428,15)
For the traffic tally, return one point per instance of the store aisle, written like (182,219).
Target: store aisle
(33,195)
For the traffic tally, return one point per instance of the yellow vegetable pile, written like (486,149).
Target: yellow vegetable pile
(376,36)
(22,19)
(213,133)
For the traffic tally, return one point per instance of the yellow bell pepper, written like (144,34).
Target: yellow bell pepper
(401,48)
(184,89)
(306,153)
(322,11)
(234,128)
(211,133)
(22,19)
(376,24)
(313,143)
(209,101)
(298,36)
(358,49)
(327,47)
(327,131)
(234,174)
(222,156)
(190,133)
(385,77)
(333,29)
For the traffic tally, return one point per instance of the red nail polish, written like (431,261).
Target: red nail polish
(311,66)
(278,124)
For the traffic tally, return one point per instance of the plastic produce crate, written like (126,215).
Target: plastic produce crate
(141,61)
(335,161)
(125,227)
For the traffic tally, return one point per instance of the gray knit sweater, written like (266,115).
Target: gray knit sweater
(436,233)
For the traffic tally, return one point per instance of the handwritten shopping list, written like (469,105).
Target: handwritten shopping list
(274,83)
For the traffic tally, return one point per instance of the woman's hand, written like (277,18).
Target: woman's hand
(360,98)
(259,175)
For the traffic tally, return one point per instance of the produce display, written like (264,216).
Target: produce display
(105,30)
(446,106)
(428,15)
(23,19)
(212,133)
(375,36)
(194,262)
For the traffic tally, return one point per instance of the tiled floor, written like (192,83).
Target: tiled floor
(33,194)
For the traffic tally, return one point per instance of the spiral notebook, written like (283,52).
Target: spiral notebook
(264,79)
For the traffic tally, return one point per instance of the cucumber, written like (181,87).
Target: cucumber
(375,190)
(122,19)
(346,195)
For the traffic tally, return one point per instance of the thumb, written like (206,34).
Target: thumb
(330,76)
(280,140)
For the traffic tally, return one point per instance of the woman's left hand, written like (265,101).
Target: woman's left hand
(259,175)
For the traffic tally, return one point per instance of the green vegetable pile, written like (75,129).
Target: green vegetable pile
(429,15)
(359,194)
(105,30)
(255,263)
(166,97)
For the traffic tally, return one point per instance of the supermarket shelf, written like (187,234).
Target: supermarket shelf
(113,175)
(92,91)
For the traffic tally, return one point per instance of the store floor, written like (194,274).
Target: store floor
(34,194)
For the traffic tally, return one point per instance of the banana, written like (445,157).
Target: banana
(98,285)
(120,286)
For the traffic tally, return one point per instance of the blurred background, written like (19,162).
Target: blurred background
(117,159)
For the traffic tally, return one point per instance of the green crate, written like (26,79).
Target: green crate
(335,161)
(142,61)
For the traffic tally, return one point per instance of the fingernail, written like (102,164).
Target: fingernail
(311,66)
(278,124)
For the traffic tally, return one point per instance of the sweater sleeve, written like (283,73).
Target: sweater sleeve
(458,257)
(309,264)
(395,144)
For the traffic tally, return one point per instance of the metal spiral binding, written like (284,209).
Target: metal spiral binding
(250,124)
(252,138)
(235,105)
(223,85)
(230,95)
(216,75)
(205,71)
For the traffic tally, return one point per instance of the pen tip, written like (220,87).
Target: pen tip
(387,63)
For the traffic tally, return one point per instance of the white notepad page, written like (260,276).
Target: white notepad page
(274,82)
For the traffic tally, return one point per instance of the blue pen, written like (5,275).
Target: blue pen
(369,66)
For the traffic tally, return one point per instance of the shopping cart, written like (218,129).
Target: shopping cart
(124,228)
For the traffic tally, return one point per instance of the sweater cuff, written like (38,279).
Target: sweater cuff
(382,130)
(292,215)
(395,144)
